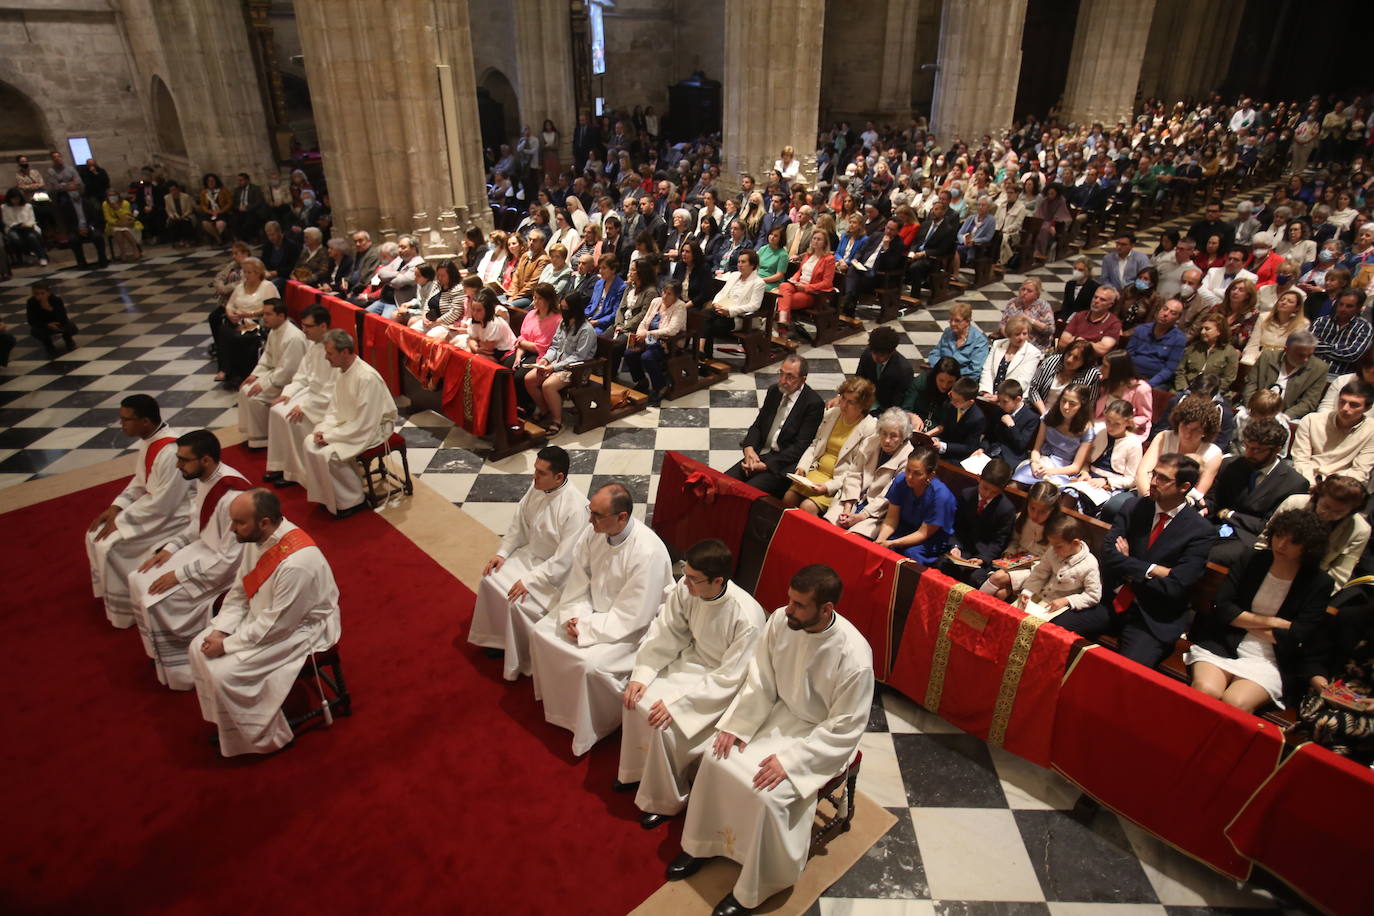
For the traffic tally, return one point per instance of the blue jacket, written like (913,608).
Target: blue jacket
(1109,275)
(970,356)
(602,309)
(1156,359)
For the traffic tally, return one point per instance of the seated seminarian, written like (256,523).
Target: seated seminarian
(283,606)
(525,576)
(175,588)
(301,404)
(584,649)
(689,668)
(277,365)
(794,726)
(361,416)
(153,507)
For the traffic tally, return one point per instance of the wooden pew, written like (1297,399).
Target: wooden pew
(688,370)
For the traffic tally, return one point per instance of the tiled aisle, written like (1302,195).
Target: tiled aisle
(979,831)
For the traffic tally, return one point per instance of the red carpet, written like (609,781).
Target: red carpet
(444,792)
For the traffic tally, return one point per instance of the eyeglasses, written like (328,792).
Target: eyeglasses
(1160,478)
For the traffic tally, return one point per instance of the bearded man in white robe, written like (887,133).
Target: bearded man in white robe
(301,405)
(281,357)
(794,726)
(688,670)
(584,648)
(361,416)
(153,507)
(282,607)
(174,590)
(525,576)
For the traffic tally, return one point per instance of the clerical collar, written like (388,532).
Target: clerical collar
(153,434)
(834,616)
(615,540)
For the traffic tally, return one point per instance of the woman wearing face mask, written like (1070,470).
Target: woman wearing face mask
(1078,291)
(1140,300)
(1285,279)
(1264,263)
(1313,279)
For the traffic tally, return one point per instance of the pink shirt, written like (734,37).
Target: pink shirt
(539,331)
(1142,402)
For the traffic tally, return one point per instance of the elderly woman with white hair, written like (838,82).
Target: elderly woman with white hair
(335,276)
(860,505)
(312,264)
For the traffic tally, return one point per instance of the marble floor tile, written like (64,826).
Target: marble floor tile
(947,770)
(1179,880)
(903,715)
(890,869)
(1032,787)
(880,777)
(1088,863)
(974,854)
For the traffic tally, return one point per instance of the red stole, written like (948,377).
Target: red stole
(294,540)
(154,449)
(222,486)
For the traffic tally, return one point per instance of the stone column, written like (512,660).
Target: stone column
(899,58)
(400,146)
(772,91)
(1104,69)
(980,66)
(543,62)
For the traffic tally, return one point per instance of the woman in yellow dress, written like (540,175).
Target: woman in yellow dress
(846,435)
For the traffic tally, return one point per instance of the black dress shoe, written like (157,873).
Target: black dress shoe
(650,821)
(273,477)
(729,906)
(618,786)
(489,652)
(351,510)
(283,482)
(684,866)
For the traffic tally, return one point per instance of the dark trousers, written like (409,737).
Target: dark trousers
(650,362)
(47,337)
(918,274)
(1134,639)
(774,485)
(7,342)
(237,353)
(77,243)
(1230,551)
(716,326)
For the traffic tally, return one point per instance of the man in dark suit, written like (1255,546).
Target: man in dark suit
(585,137)
(249,211)
(983,523)
(1011,435)
(650,222)
(887,369)
(879,257)
(1212,224)
(1078,291)
(617,245)
(84,222)
(1304,375)
(1156,551)
(934,243)
(1249,489)
(366,258)
(785,426)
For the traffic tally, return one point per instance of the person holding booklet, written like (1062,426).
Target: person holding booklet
(1028,541)
(1109,479)
(1066,576)
(982,525)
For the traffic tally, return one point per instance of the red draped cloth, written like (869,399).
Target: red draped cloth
(469,384)
(982,665)
(342,315)
(1179,764)
(298,298)
(694,503)
(1310,825)
(380,352)
(869,574)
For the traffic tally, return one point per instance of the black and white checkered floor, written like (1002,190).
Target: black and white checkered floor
(979,830)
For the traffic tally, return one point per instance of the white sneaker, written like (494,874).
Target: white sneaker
(42,262)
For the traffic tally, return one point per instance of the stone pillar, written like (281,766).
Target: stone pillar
(543,62)
(980,66)
(1104,69)
(771,93)
(397,116)
(899,58)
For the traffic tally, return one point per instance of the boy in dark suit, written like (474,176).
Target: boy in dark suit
(1011,435)
(887,369)
(982,524)
(1155,552)
(960,422)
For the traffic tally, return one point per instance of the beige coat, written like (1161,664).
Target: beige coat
(1076,578)
(673,322)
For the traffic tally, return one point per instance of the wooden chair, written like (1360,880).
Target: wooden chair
(590,392)
(837,795)
(687,370)
(985,259)
(1030,230)
(941,280)
(383,482)
(334,692)
(830,324)
(761,348)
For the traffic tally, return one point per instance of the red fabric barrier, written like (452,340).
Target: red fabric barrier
(982,665)
(379,350)
(869,574)
(1309,824)
(342,315)
(1178,763)
(695,502)
(468,385)
(298,298)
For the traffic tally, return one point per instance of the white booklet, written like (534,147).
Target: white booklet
(1036,609)
(1095,495)
(974,464)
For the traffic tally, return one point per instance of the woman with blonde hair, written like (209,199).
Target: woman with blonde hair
(788,165)
(815,277)
(842,441)
(1240,308)
(240,336)
(1272,330)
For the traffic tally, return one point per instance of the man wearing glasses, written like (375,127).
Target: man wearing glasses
(785,426)
(1219,279)
(1156,551)
(301,403)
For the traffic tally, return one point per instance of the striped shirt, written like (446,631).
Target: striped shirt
(1340,346)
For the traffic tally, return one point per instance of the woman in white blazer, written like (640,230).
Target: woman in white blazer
(846,435)
(861,504)
(1014,356)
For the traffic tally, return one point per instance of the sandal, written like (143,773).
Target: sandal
(553,429)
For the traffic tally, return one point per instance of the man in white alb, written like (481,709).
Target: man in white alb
(688,670)
(301,404)
(361,416)
(523,579)
(583,649)
(277,365)
(153,507)
(283,606)
(175,588)
(794,726)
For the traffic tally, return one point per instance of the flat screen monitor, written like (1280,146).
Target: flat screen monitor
(81,150)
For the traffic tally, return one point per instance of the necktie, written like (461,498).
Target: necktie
(1125,595)
(776,425)
(982,504)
